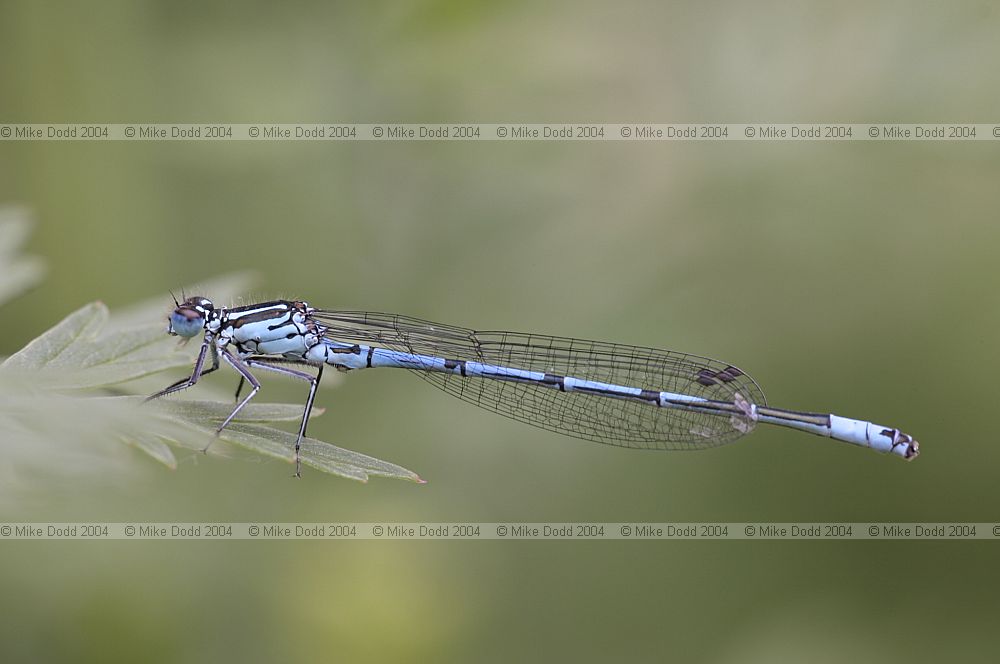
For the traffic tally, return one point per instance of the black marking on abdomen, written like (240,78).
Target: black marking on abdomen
(555,380)
(651,396)
(452,364)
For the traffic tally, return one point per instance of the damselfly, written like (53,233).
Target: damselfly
(606,392)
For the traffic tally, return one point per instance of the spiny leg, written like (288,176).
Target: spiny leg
(244,371)
(313,385)
(206,347)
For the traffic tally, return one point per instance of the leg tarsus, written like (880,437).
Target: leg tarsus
(313,384)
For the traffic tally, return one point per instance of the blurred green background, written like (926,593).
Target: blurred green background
(858,278)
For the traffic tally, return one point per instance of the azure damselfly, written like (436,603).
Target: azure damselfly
(611,393)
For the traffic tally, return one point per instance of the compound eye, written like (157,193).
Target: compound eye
(186,322)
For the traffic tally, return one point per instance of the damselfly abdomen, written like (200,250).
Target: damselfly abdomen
(610,393)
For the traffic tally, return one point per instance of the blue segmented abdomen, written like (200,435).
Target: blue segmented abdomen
(361,357)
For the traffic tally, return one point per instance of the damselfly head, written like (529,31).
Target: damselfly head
(189,318)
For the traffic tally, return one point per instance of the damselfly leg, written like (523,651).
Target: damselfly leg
(206,348)
(269,365)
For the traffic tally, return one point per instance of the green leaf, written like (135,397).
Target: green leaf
(317,454)
(153,446)
(203,416)
(216,411)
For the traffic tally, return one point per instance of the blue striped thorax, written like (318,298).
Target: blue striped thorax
(270,328)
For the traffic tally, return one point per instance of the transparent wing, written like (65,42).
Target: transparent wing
(622,422)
